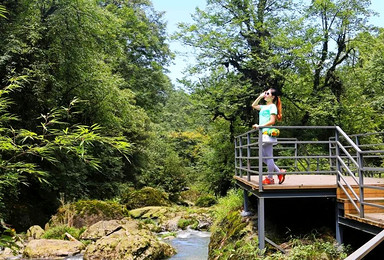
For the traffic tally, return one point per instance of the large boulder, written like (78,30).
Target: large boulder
(35,232)
(127,242)
(104,228)
(150,212)
(52,248)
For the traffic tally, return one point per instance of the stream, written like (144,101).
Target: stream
(190,245)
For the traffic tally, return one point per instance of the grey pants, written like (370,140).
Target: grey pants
(267,151)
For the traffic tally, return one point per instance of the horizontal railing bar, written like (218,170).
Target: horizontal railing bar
(370,145)
(373,205)
(367,134)
(244,146)
(290,157)
(372,169)
(290,127)
(293,172)
(304,142)
(373,151)
(373,187)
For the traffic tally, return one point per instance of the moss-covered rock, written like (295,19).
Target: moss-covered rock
(34,232)
(87,212)
(145,197)
(129,243)
(190,196)
(104,228)
(173,218)
(149,212)
(52,248)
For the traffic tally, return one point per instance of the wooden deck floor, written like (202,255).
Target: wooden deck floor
(305,182)
(318,182)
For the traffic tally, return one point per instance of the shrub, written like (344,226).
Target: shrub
(184,223)
(206,201)
(145,197)
(232,202)
(58,232)
(87,212)
(190,195)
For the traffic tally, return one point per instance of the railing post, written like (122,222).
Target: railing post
(248,156)
(241,156)
(296,153)
(236,158)
(330,154)
(337,153)
(361,182)
(260,161)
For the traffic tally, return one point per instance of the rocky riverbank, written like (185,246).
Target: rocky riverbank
(134,235)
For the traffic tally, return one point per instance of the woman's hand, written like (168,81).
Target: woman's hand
(255,126)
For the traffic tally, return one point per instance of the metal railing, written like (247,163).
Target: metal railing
(332,152)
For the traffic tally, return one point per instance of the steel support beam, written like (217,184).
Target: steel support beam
(339,229)
(261,223)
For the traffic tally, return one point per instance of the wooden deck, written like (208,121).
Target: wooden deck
(296,183)
(306,182)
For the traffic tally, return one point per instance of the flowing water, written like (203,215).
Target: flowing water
(190,245)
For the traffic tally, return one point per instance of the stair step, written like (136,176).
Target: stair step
(368,193)
(349,208)
(370,200)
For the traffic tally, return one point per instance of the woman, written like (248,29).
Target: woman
(268,115)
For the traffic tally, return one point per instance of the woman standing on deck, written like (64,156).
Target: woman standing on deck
(268,115)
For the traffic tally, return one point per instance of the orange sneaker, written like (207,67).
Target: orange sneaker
(268,181)
(281,177)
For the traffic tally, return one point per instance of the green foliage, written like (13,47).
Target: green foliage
(216,161)
(206,201)
(165,168)
(189,222)
(146,196)
(232,202)
(3,11)
(59,232)
(8,237)
(87,212)
(108,209)
(234,237)
(104,60)
(226,237)
(169,234)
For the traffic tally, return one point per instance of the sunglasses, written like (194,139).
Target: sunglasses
(267,93)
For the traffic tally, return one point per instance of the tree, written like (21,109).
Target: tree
(234,39)
(19,149)
(76,49)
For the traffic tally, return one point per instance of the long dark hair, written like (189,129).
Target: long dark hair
(276,99)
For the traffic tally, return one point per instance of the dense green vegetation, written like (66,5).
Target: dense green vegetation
(235,237)
(87,111)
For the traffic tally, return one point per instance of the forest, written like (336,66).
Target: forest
(87,110)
